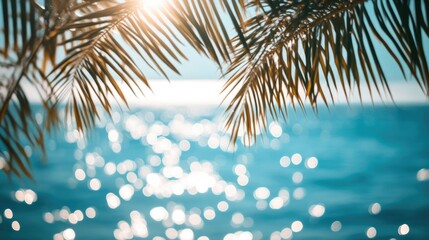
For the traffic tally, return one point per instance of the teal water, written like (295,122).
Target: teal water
(348,173)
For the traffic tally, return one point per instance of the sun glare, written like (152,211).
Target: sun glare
(154,4)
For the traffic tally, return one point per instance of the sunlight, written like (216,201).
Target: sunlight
(205,119)
(153,4)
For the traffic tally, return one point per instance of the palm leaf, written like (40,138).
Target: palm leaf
(292,48)
(22,36)
(104,42)
(282,53)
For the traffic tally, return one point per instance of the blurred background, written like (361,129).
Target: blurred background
(166,170)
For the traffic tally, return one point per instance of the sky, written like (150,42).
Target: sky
(208,93)
(207,84)
(199,67)
(200,82)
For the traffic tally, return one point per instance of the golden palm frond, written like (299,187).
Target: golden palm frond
(104,44)
(291,48)
(84,53)
(21,38)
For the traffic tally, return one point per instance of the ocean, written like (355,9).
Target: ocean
(350,172)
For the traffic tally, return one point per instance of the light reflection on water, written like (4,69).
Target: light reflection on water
(177,177)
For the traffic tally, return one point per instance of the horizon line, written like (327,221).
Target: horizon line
(206,92)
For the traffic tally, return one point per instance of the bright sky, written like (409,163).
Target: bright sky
(197,84)
(204,89)
(204,92)
(200,67)
(208,92)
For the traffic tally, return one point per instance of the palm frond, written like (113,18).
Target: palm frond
(20,130)
(292,48)
(22,36)
(86,53)
(105,43)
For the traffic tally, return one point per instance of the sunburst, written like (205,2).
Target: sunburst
(154,4)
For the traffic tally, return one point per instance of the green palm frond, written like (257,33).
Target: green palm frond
(292,48)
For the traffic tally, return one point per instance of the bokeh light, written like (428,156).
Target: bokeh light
(374,208)
(16,226)
(404,229)
(316,210)
(371,232)
(336,226)
(297,226)
(171,192)
(113,201)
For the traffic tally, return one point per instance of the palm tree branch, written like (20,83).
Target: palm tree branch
(310,42)
(84,56)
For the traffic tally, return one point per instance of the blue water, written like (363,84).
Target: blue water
(348,173)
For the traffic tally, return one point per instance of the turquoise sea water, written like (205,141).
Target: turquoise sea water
(348,173)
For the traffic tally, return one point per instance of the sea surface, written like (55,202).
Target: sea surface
(351,172)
